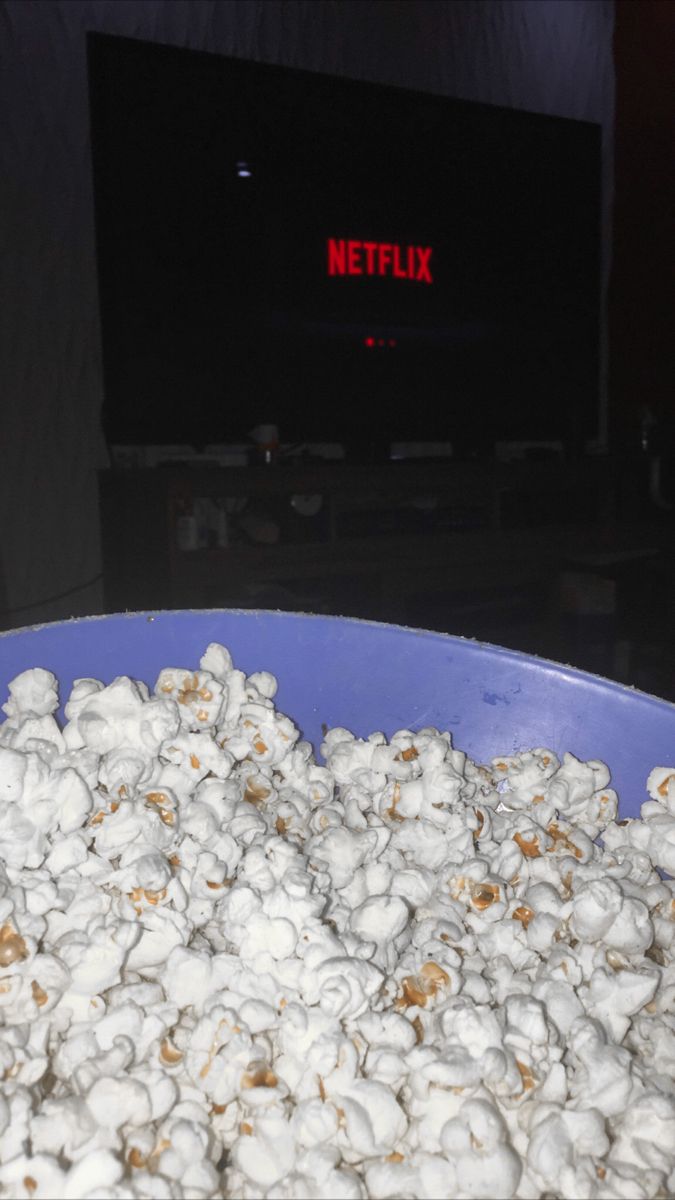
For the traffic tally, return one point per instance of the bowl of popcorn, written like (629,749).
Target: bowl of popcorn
(298,906)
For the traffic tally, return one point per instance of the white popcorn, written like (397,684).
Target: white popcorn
(562,1003)
(198,694)
(315,1122)
(661,786)
(40,1177)
(197,755)
(120,715)
(477,1140)
(267,1154)
(602,1071)
(116,1102)
(95,959)
(645,1134)
(345,986)
(277,936)
(122,770)
(226,970)
(33,693)
(596,906)
(654,835)
(373,1121)
(382,920)
(343,851)
(561,1142)
(422,1175)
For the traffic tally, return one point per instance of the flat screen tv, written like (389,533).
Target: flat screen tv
(353,262)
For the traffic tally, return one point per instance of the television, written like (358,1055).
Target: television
(352,262)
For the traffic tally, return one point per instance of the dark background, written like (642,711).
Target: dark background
(641,294)
(591,59)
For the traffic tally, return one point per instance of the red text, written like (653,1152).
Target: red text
(347,257)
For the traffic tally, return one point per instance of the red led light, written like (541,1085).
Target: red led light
(382,342)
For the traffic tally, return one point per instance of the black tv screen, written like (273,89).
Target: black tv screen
(352,262)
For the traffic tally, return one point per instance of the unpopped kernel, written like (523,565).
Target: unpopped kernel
(227,970)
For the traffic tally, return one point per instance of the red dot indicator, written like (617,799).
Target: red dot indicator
(380,342)
(392,341)
(369,341)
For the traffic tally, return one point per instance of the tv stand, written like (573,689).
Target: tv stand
(380,542)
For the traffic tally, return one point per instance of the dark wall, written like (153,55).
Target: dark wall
(641,314)
(548,56)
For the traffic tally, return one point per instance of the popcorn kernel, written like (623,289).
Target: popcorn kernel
(159,798)
(258,1075)
(12,946)
(417,989)
(485,895)
(526,1076)
(528,846)
(561,839)
(169,1053)
(256,793)
(40,997)
(419,1030)
(391,812)
(523,914)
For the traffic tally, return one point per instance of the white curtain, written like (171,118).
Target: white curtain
(549,56)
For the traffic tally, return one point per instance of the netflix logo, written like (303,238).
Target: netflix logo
(346,257)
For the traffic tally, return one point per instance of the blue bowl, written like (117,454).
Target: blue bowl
(368,676)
